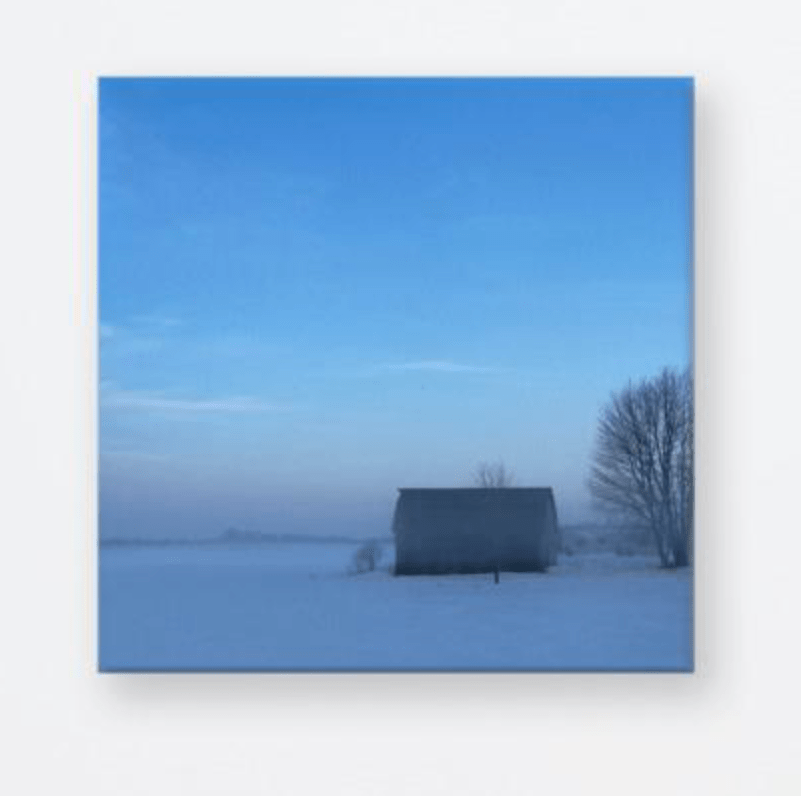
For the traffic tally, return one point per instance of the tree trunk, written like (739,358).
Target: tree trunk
(680,557)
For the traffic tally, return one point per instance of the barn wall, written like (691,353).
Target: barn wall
(473,530)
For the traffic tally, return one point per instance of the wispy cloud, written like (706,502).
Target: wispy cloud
(123,343)
(138,334)
(135,454)
(114,398)
(158,321)
(239,344)
(433,366)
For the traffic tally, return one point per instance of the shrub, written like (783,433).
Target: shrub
(367,557)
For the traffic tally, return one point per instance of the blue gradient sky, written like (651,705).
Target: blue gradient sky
(315,291)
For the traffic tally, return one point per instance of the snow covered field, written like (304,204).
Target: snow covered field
(297,606)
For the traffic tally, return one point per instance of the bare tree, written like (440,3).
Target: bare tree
(643,462)
(493,476)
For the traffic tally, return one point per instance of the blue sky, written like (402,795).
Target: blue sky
(313,292)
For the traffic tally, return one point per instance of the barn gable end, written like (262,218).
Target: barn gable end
(440,531)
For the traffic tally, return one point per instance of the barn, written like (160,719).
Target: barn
(441,531)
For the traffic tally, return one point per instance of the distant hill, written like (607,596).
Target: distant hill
(236,536)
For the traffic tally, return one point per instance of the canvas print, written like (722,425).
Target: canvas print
(395,374)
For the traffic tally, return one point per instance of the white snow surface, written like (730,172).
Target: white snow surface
(299,607)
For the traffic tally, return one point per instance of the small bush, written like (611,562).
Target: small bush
(367,557)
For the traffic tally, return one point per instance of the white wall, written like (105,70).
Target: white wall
(731,728)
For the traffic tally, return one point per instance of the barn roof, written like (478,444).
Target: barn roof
(474,488)
(518,489)
(530,494)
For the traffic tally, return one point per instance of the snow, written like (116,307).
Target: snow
(299,607)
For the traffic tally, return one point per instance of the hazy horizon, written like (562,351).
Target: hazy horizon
(316,291)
